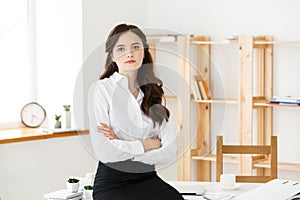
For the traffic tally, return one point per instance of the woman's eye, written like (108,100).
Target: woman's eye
(120,49)
(136,47)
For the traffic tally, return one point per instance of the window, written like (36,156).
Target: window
(14,61)
(41,55)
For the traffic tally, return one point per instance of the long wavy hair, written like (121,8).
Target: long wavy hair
(146,79)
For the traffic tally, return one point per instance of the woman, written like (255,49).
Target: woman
(129,126)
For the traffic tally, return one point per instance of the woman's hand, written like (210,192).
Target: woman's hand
(107,131)
(150,144)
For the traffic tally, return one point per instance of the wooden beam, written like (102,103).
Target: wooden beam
(249,149)
(219,162)
(245,99)
(268,90)
(184,161)
(254,179)
(203,168)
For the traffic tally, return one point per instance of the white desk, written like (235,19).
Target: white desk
(188,186)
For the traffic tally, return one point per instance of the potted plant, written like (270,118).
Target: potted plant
(73,185)
(88,191)
(57,123)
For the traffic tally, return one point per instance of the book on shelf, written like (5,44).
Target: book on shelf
(285,100)
(231,38)
(64,194)
(204,89)
(196,90)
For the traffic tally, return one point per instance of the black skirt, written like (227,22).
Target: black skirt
(129,180)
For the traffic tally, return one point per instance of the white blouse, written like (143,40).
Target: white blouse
(111,102)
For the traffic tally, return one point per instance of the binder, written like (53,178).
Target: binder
(276,189)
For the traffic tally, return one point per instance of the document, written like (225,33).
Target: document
(276,189)
(209,196)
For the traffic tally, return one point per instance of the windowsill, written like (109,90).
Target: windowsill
(29,134)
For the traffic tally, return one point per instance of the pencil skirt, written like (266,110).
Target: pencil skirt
(112,182)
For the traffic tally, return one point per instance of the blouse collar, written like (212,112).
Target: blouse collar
(116,78)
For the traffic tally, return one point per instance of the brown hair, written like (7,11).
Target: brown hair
(146,79)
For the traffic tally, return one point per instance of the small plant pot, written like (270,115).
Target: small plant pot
(57,124)
(88,194)
(72,187)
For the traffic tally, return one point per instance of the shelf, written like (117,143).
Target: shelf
(262,164)
(162,38)
(193,42)
(212,157)
(281,166)
(226,101)
(161,42)
(171,98)
(264,103)
(275,42)
(214,42)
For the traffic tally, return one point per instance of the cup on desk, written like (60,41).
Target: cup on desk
(227,180)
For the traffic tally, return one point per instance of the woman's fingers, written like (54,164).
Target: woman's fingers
(101,128)
(105,125)
(106,130)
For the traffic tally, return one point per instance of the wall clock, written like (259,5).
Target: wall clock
(33,115)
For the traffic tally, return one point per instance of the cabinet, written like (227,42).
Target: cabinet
(255,73)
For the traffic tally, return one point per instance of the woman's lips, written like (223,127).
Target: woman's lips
(130,61)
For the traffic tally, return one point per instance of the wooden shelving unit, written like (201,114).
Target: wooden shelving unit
(247,102)
(253,52)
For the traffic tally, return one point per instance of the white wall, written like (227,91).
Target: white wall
(219,19)
(31,169)
(99,17)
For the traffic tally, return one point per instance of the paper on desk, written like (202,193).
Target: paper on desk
(218,196)
(210,196)
(276,189)
(190,197)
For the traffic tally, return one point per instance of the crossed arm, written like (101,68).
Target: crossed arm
(108,148)
(148,144)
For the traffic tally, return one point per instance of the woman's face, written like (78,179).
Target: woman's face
(128,53)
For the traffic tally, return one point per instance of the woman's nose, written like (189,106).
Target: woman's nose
(129,54)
